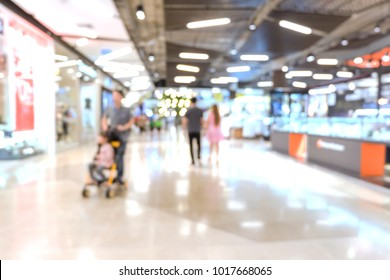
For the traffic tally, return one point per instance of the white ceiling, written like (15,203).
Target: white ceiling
(100,17)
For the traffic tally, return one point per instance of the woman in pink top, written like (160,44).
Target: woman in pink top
(214,133)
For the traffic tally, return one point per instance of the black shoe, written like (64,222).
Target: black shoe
(119,181)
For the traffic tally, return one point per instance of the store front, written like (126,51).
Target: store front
(26,89)
(77,101)
(346,127)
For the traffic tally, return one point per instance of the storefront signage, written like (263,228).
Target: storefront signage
(22,60)
(321,144)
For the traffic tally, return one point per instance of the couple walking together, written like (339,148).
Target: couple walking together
(193,121)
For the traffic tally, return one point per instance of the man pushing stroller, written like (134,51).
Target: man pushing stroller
(118,121)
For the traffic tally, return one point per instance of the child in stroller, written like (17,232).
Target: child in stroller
(103,160)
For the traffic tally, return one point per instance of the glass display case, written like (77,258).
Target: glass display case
(15,147)
(286,124)
(375,129)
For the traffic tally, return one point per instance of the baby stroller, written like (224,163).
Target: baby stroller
(95,180)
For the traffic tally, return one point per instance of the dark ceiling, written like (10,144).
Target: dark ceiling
(330,20)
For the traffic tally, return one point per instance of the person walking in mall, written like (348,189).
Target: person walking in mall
(118,121)
(193,122)
(214,132)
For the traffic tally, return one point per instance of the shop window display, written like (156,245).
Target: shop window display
(25,61)
(66,115)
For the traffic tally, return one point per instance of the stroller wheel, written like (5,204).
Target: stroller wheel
(110,193)
(86,193)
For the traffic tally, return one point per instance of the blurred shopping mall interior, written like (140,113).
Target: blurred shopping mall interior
(302,88)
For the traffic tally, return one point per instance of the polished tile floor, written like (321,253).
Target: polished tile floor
(254,204)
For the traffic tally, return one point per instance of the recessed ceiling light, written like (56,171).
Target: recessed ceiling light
(310,58)
(208,23)
(184,79)
(187,68)
(199,56)
(285,69)
(295,27)
(233,52)
(344,74)
(327,61)
(151,58)
(299,84)
(252,27)
(254,57)
(358,60)
(265,84)
(351,86)
(140,12)
(82,42)
(235,69)
(377,28)
(386,57)
(344,42)
(322,76)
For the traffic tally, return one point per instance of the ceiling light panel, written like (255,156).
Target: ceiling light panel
(60,57)
(236,69)
(82,42)
(208,23)
(344,74)
(322,76)
(184,79)
(187,68)
(113,55)
(327,61)
(299,84)
(126,74)
(198,56)
(303,73)
(358,60)
(224,80)
(295,27)
(254,57)
(265,84)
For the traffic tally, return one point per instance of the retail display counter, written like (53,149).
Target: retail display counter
(348,145)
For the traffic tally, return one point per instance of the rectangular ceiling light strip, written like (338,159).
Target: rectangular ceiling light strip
(187,68)
(322,76)
(327,61)
(224,80)
(184,79)
(303,73)
(295,27)
(344,74)
(265,84)
(236,69)
(208,23)
(254,57)
(298,84)
(199,56)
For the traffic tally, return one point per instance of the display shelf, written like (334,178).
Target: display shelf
(375,129)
